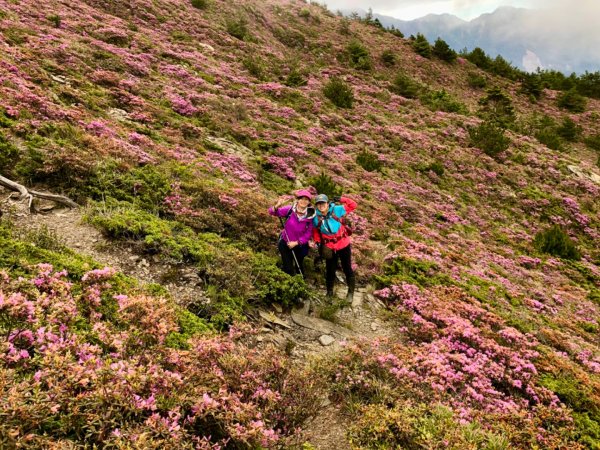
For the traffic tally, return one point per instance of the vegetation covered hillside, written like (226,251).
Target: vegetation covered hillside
(174,124)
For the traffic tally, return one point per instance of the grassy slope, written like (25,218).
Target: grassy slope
(115,105)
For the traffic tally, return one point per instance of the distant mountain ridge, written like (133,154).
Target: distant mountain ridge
(527,38)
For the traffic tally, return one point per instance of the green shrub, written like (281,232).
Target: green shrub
(436,167)
(421,46)
(295,79)
(200,4)
(404,425)
(405,270)
(388,58)
(556,241)
(339,92)
(8,154)
(497,107)
(478,57)
(255,66)
(443,51)
(476,81)
(442,101)
(570,131)
(531,85)
(405,86)
(579,397)
(489,137)
(548,136)
(368,161)
(573,101)
(593,142)
(189,325)
(358,56)
(55,20)
(324,184)
(289,37)
(146,186)
(237,28)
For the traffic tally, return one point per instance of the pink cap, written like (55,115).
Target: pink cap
(304,193)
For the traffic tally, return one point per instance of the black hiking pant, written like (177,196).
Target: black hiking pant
(287,257)
(345,257)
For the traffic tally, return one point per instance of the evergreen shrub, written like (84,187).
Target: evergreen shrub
(556,241)
(421,46)
(339,92)
(237,28)
(368,161)
(358,56)
(388,58)
(489,137)
(405,86)
(572,101)
(324,184)
(442,50)
(200,4)
(476,81)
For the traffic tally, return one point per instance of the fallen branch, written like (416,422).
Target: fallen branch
(30,194)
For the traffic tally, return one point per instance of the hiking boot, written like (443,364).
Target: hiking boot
(351,281)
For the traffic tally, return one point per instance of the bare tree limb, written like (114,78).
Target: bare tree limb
(30,194)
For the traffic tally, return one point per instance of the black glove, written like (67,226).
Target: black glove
(337,199)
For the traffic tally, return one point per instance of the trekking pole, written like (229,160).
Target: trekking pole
(293,254)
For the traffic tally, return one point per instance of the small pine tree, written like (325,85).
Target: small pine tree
(490,138)
(405,86)
(421,46)
(572,101)
(368,161)
(443,51)
(388,58)
(339,92)
(531,85)
(569,130)
(497,106)
(358,56)
(295,79)
(478,57)
(237,28)
(557,242)
(324,184)
(476,81)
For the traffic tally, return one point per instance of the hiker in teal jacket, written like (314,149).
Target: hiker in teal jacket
(334,237)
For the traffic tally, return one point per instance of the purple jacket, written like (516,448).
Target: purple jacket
(295,229)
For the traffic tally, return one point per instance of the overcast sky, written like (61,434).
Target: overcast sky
(465,9)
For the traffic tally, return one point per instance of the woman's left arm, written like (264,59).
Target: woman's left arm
(349,204)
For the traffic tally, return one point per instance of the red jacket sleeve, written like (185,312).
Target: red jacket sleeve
(349,204)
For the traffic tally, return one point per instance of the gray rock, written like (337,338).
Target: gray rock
(320,325)
(326,340)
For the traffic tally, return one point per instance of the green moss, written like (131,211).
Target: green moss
(421,273)
(189,326)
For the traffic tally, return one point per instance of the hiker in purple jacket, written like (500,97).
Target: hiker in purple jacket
(296,220)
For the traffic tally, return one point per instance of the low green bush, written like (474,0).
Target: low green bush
(476,81)
(358,56)
(549,138)
(369,161)
(593,142)
(238,28)
(570,131)
(200,4)
(388,58)
(489,137)
(442,101)
(324,184)
(405,86)
(556,241)
(405,270)
(8,154)
(339,92)
(295,79)
(572,101)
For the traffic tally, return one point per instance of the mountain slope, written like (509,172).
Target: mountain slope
(178,126)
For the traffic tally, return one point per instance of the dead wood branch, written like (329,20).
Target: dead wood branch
(29,194)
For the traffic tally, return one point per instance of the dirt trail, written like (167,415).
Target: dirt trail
(301,333)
